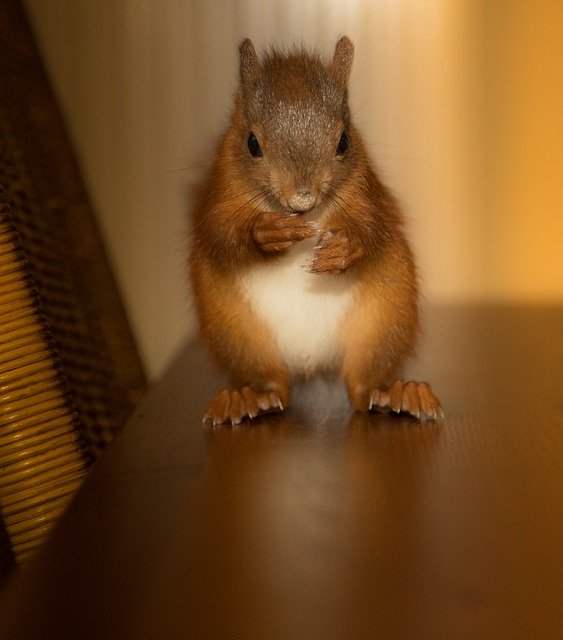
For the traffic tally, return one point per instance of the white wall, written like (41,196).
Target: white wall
(146,87)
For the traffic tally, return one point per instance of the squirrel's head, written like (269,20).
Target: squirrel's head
(294,137)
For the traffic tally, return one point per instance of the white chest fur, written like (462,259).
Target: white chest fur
(303,310)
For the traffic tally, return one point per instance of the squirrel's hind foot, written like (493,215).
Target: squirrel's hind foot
(233,406)
(415,398)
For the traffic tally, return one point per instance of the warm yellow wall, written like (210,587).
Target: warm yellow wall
(523,118)
(459,100)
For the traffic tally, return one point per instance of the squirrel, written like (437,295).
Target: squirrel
(299,263)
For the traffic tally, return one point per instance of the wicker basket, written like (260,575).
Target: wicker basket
(69,371)
(41,453)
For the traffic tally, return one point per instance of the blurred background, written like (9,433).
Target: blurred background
(460,101)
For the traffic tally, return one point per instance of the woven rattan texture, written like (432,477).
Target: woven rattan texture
(59,234)
(75,337)
(78,339)
(41,462)
(69,370)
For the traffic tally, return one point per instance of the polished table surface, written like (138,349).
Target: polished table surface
(322,523)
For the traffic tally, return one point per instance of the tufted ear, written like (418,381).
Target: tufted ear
(249,63)
(342,60)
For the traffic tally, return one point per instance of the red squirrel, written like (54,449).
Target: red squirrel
(299,264)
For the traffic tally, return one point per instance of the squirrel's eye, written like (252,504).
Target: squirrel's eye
(254,146)
(342,145)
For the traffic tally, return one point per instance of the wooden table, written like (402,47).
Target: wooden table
(321,523)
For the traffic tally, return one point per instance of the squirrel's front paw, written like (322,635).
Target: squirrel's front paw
(275,232)
(336,252)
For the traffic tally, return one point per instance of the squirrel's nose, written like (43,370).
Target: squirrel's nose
(302,200)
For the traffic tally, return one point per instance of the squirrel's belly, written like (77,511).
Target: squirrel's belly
(303,310)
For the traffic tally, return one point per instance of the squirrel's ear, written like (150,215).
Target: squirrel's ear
(249,63)
(342,60)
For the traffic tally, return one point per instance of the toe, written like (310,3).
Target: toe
(396,396)
(275,401)
(380,400)
(410,402)
(237,409)
(374,400)
(251,402)
(430,405)
(218,409)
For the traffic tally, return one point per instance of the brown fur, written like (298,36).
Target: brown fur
(297,107)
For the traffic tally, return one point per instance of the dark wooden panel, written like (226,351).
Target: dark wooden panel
(321,523)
